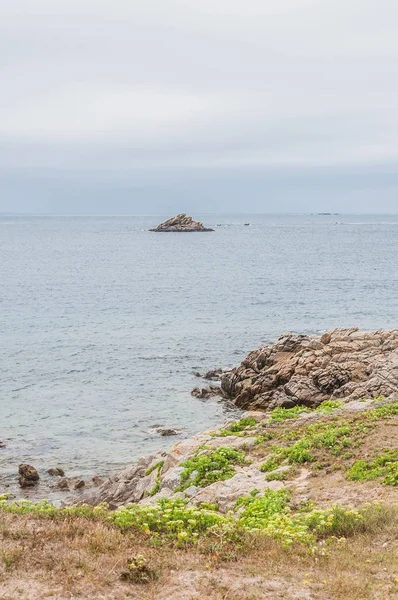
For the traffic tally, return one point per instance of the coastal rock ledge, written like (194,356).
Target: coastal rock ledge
(181,223)
(305,370)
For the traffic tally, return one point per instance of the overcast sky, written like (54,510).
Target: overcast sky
(144,106)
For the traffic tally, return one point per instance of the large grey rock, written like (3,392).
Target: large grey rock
(306,370)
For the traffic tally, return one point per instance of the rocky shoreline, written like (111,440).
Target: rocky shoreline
(348,368)
(296,372)
(307,370)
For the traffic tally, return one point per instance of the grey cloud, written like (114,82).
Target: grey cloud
(191,94)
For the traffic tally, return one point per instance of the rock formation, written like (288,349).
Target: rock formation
(181,223)
(28,476)
(300,369)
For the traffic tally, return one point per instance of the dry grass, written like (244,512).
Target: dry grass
(83,559)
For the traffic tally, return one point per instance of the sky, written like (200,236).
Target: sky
(164,106)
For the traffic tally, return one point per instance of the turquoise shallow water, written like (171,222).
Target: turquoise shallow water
(103,322)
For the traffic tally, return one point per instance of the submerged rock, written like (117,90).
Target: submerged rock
(165,432)
(306,370)
(207,392)
(56,472)
(181,223)
(70,484)
(28,475)
(213,375)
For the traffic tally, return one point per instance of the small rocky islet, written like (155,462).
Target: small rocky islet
(181,223)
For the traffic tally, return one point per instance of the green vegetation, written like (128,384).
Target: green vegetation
(308,444)
(383,412)
(282,475)
(174,521)
(156,487)
(138,571)
(384,466)
(240,426)
(158,466)
(332,437)
(204,469)
(329,406)
(278,415)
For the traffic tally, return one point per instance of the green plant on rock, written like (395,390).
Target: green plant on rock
(159,467)
(204,469)
(239,427)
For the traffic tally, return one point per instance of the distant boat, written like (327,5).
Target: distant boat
(247,224)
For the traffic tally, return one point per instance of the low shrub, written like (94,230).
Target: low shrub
(204,469)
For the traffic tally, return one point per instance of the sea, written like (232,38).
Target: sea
(103,323)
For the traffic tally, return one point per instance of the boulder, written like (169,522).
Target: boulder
(56,472)
(181,223)
(306,370)
(28,476)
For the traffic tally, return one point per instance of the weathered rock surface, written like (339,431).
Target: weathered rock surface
(181,223)
(306,370)
(28,476)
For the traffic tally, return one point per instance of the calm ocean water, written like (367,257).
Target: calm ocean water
(103,322)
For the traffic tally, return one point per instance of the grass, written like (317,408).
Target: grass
(62,553)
